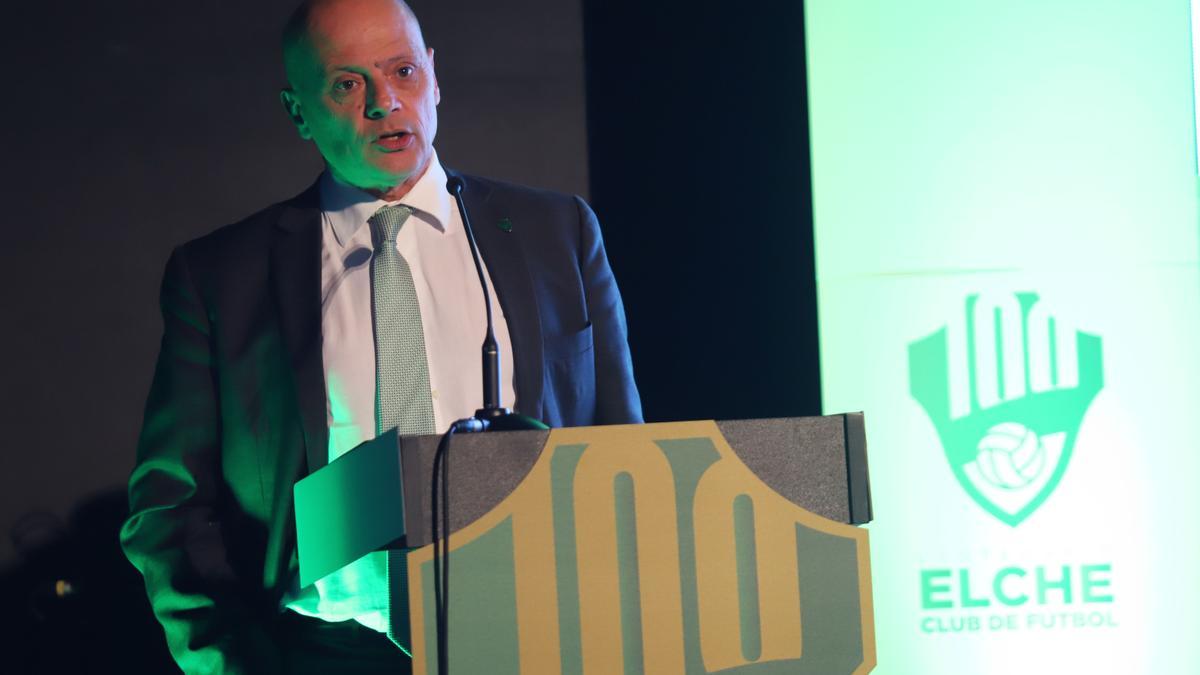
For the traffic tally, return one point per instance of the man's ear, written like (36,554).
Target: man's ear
(291,105)
(437,93)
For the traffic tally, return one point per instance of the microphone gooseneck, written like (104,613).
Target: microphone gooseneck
(491,350)
(493,414)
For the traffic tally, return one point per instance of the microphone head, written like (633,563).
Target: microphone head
(454,185)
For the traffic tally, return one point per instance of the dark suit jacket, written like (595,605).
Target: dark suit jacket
(237,409)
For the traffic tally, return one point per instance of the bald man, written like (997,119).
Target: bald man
(270,364)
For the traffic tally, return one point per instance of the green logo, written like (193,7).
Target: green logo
(1006,385)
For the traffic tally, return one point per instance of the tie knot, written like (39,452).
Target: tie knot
(386,224)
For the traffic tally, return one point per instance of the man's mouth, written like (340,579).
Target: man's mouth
(394,141)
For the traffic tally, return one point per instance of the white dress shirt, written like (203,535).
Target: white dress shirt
(453,319)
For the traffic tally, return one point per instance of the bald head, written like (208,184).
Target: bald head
(311,24)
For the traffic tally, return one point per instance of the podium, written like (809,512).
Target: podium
(688,547)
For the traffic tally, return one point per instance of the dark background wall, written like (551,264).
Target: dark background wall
(133,125)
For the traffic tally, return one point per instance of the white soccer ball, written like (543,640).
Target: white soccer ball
(1010,456)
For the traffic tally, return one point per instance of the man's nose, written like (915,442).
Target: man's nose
(382,100)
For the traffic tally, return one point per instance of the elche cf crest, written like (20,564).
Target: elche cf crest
(1006,384)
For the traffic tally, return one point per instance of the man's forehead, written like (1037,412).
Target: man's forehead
(327,28)
(312,8)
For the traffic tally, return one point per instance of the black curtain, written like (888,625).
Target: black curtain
(699,164)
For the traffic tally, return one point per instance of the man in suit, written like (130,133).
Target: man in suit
(275,356)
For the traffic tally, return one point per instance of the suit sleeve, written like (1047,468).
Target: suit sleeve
(617,399)
(173,535)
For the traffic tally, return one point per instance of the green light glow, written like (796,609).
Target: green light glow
(1032,458)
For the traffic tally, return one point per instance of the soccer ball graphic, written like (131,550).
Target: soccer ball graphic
(1010,456)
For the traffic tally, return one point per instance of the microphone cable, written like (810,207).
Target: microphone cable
(440,535)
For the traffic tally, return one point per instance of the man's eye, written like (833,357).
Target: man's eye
(406,71)
(344,85)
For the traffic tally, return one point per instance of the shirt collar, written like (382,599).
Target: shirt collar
(347,208)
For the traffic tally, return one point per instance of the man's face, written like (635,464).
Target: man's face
(363,89)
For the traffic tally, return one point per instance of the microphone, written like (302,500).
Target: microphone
(493,415)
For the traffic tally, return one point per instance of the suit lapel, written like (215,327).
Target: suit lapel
(296,276)
(509,272)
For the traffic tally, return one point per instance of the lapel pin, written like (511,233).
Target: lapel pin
(505,224)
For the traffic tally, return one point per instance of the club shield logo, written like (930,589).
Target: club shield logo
(1006,384)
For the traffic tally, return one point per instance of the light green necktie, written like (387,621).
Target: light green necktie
(402,398)
(402,395)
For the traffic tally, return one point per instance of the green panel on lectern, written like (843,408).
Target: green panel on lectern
(350,508)
(483,603)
